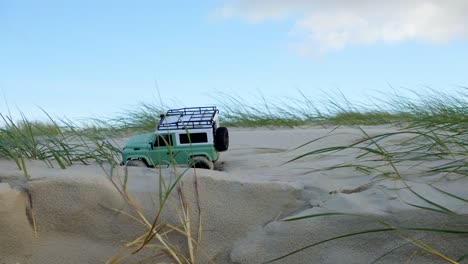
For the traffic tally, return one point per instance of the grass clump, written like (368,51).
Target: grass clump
(367,118)
(423,109)
(237,113)
(430,151)
(144,117)
(56,145)
(159,235)
(433,108)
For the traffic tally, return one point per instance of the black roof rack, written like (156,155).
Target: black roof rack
(189,117)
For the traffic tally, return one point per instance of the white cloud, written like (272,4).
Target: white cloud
(323,26)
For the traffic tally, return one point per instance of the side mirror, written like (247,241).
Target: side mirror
(151,145)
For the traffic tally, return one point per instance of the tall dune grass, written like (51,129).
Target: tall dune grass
(427,108)
(144,117)
(56,145)
(436,123)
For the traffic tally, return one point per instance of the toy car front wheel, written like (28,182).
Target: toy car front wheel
(135,163)
(201,163)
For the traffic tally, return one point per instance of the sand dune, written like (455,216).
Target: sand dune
(79,219)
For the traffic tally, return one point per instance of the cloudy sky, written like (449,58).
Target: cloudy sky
(96,58)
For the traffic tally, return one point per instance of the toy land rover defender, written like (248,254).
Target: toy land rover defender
(189,136)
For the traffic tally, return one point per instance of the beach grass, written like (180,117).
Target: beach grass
(436,127)
(435,124)
(159,235)
(58,143)
(427,108)
(380,160)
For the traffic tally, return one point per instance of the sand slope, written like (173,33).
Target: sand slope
(242,208)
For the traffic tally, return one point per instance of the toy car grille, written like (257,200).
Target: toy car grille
(190,117)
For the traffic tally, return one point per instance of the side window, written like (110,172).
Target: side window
(163,140)
(193,138)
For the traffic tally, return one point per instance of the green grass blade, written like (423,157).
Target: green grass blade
(442,208)
(462,258)
(331,239)
(317,215)
(450,194)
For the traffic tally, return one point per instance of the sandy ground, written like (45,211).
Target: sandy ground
(78,212)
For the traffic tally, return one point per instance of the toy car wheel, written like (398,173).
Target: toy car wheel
(201,163)
(135,163)
(221,141)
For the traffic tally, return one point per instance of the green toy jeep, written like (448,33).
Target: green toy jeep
(189,136)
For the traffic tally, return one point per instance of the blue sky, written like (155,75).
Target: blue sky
(96,58)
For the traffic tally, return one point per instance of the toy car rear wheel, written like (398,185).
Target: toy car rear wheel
(201,163)
(221,141)
(135,163)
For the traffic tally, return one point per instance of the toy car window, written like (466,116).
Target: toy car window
(161,141)
(193,138)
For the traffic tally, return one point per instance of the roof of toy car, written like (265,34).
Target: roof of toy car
(189,117)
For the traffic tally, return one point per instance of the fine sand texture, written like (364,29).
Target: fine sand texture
(237,212)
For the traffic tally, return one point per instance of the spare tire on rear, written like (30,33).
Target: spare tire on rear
(221,141)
